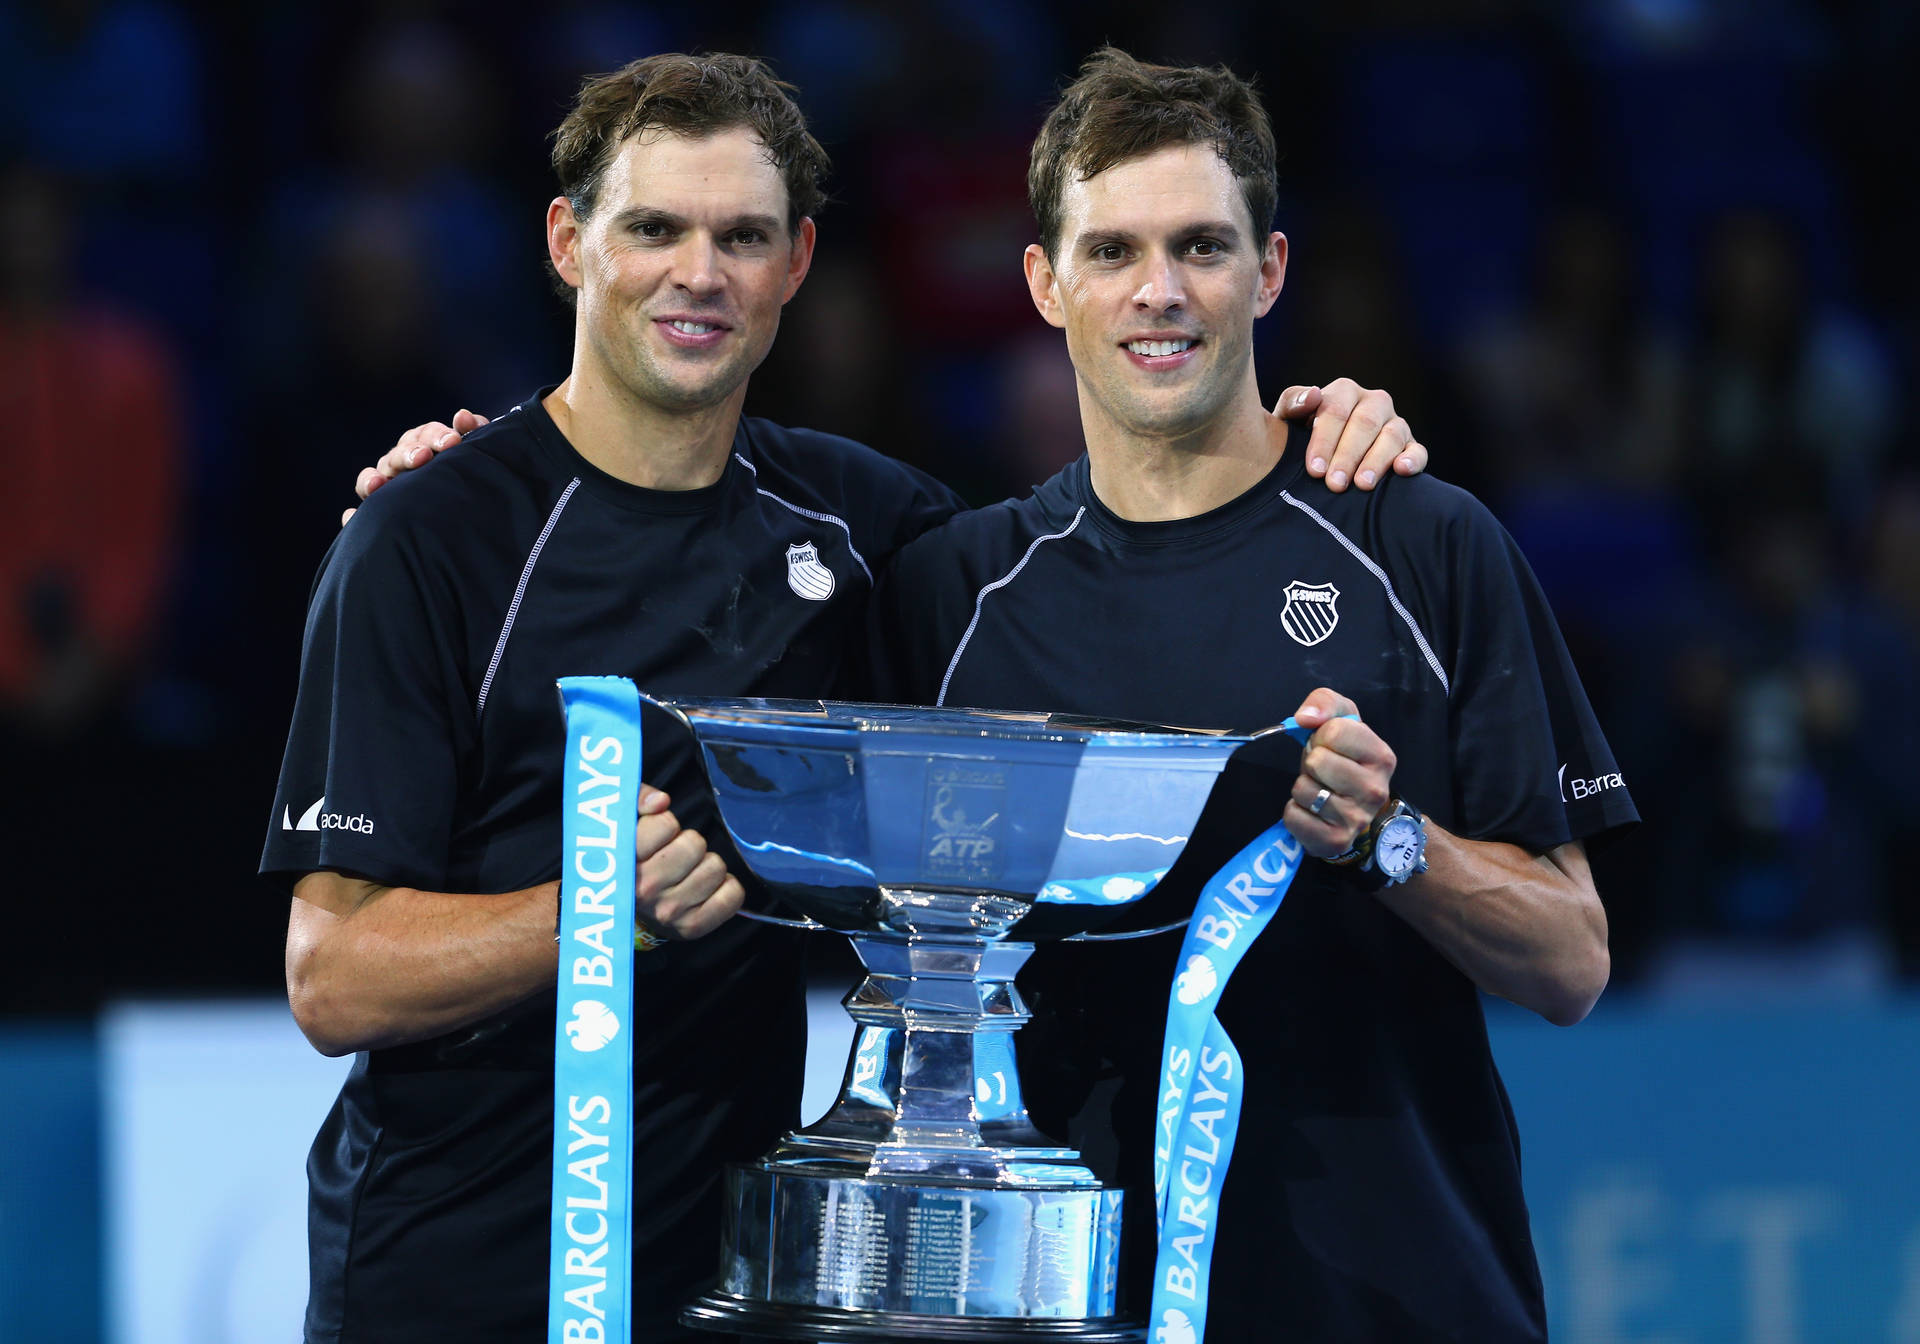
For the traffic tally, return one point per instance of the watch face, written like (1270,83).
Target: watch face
(1397,852)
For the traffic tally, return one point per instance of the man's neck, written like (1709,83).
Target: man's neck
(641,443)
(1151,479)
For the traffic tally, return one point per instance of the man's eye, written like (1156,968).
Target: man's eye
(1203,247)
(1108,252)
(748,237)
(650,228)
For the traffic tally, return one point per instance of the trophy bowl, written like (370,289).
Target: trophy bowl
(924,1204)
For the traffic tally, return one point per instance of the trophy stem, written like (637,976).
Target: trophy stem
(932,1090)
(924,1204)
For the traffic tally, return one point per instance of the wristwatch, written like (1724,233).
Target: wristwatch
(1391,850)
(1399,842)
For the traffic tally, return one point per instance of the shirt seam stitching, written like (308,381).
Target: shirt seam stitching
(1393,598)
(979,599)
(840,523)
(519,593)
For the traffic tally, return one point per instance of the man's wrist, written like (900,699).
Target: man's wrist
(1355,856)
(1391,850)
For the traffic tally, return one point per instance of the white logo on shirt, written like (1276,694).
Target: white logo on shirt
(1573,790)
(309,820)
(1310,613)
(313,819)
(593,1025)
(806,575)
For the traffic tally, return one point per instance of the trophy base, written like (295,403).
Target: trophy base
(812,1253)
(743,1316)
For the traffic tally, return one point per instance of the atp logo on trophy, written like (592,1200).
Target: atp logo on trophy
(963,803)
(806,575)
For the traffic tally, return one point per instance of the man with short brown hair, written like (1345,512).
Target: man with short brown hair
(630,521)
(1190,570)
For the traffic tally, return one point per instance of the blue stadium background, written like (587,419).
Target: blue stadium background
(1636,270)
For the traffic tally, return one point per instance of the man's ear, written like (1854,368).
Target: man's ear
(563,240)
(799,259)
(1043,285)
(1273,273)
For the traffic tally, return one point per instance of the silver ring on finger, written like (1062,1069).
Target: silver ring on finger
(1319,803)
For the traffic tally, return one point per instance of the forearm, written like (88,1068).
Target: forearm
(371,966)
(1529,928)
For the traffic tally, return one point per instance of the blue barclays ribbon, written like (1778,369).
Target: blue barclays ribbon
(1198,1110)
(590,1273)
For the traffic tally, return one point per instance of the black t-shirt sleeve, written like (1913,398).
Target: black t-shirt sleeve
(1530,764)
(368,782)
(920,609)
(920,504)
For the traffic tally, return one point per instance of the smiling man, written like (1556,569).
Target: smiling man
(631,521)
(1189,569)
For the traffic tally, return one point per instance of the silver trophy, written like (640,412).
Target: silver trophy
(925,1205)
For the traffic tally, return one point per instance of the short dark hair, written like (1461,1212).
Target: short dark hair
(1121,108)
(691,96)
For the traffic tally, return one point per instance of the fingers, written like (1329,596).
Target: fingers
(1321,705)
(346,515)
(1413,461)
(1297,401)
(699,901)
(1372,412)
(711,911)
(1350,763)
(1379,456)
(416,448)
(683,889)
(1337,400)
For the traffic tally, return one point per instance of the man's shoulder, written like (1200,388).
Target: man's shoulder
(817,456)
(1404,512)
(993,538)
(881,502)
(483,492)
(494,470)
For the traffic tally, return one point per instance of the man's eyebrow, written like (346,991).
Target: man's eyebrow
(765,223)
(648,214)
(1224,230)
(1088,238)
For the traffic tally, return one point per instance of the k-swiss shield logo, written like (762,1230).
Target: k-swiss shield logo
(1311,611)
(806,575)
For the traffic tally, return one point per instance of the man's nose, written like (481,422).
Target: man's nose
(1160,288)
(696,266)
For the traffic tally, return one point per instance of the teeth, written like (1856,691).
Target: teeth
(1158,347)
(692,328)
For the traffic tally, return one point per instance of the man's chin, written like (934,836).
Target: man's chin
(685,396)
(1167,419)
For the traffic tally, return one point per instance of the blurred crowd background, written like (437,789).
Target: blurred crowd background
(1634,269)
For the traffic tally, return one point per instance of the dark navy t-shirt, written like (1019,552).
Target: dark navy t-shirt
(426,751)
(1375,1193)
